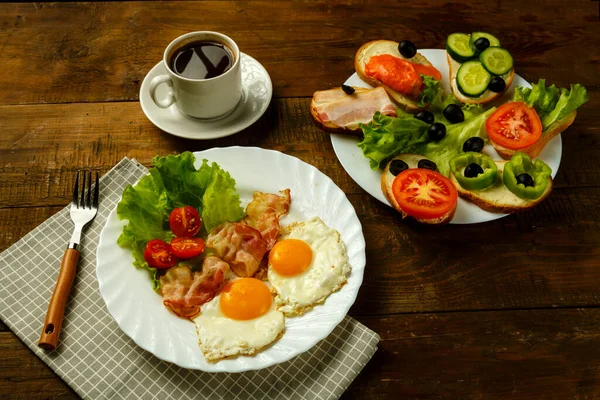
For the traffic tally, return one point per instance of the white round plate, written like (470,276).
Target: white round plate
(257,91)
(140,313)
(357,166)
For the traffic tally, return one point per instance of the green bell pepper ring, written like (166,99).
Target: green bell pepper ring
(481,181)
(519,164)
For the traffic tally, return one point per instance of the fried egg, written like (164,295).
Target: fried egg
(241,319)
(306,265)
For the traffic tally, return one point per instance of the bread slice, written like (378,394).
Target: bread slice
(487,96)
(536,148)
(497,198)
(377,47)
(387,179)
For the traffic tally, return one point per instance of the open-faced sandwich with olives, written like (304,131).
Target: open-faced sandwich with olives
(534,117)
(480,69)
(414,187)
(501,186)
(406,75)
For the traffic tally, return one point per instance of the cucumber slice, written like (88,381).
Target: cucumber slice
(496,60)
(476,35)
(459,48)
(472,79)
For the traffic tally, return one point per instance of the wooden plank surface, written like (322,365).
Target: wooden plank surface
(549,354)
(480,311)
(85,52)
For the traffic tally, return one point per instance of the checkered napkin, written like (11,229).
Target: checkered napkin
(99,361)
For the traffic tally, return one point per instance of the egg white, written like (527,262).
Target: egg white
(220,336)
(327,273)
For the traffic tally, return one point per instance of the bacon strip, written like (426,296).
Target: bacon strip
(238,244)
(264,211)
(184,292)
(334,107)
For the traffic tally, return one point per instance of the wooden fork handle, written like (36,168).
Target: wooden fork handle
(58,301)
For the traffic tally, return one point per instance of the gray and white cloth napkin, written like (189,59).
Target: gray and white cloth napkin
(99,361)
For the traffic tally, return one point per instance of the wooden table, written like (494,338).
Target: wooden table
(507,308)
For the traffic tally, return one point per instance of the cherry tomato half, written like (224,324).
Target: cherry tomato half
(422,193)
(514,125)
(185,248)
(158,254)
(185,221)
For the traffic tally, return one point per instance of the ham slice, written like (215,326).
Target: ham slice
(335,110)
(185,291)
(264,211)
(238,244)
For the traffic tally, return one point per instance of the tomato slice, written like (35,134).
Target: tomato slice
(514,125)
(158,254)
(185,221)
(184,247)
(396,73)
(422,193)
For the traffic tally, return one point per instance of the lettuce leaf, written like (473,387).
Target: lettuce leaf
(174,182)
(432,88)
(550,102)
(385,137)
(451,145)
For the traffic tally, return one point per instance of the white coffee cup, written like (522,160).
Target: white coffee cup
(200,98)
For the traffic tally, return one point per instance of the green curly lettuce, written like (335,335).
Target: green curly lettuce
(174,182)
(551,103)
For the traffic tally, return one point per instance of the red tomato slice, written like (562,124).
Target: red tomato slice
(422,193)
(396,73)
(514,125)
(185,248)
(428,70)
(158,254)
(185,221)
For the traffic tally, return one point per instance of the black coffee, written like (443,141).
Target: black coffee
(202,60)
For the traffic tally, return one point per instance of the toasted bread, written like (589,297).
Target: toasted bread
(377,47)
(536,148)
(487,97)
(387,179)
(497,198)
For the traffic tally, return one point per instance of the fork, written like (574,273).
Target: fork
(83,210)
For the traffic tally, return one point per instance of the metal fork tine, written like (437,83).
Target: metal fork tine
(96,192)
(88,200)
(82,203)
(74,201)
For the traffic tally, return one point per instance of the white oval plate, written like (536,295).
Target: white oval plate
(140,313)
(357,166)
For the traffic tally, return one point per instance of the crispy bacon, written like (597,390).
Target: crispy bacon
(238,244)
(264,211)
(184,292)
(334,107)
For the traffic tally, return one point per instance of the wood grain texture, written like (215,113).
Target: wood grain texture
(550,354)
(477,311)
(86,52)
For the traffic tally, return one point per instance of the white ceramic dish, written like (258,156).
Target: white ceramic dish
(139,311)
(257,91)
(357,166)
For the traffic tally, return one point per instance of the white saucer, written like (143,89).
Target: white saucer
(257,90)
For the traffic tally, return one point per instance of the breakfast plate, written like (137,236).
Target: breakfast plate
(140,313)
(357,166)
(257,91)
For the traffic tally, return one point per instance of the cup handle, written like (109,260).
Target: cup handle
(154,83)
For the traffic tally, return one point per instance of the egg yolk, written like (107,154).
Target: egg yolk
(245,298)
(290,257)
